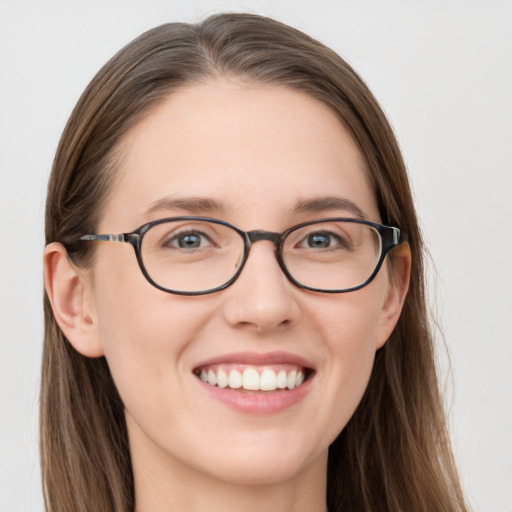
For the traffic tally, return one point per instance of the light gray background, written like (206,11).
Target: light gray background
(441,70)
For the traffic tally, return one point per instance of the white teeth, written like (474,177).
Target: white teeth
(212,377)
(235,379)
(268,380)
(251,380)
(291,381)
(222,379)
(282,379)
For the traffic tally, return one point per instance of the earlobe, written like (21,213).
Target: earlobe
(66,288)
(398,286)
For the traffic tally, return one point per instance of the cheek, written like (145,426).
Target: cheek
(349,326)
(349,322)
(144,331)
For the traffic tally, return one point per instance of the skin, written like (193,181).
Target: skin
(257,150)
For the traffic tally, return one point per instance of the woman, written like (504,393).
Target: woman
(263,343)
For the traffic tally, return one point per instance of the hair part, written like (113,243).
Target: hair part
(394,454)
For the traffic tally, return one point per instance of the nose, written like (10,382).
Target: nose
(262,299)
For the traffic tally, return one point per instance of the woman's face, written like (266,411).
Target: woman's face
(250,155)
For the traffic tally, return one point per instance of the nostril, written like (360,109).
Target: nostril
(256,311)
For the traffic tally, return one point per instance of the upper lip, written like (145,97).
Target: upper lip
(258,359)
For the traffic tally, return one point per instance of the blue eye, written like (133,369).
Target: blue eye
(319,240)
(189,240)
(322,240)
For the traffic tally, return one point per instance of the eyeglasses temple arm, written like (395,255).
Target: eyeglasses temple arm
(103,238)
(397,239)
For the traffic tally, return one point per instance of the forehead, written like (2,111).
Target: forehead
(252,148)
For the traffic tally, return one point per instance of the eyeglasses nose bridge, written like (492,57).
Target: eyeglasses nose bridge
(257,235)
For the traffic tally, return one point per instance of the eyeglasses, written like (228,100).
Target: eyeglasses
(198,255)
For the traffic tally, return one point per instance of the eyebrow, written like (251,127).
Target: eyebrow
(207,205)
(328,203)
(189,204)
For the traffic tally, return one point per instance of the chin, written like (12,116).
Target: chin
(264,473)
(259,464)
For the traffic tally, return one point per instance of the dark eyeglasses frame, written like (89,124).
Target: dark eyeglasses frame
(390,238)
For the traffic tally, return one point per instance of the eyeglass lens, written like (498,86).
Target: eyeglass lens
(197,255)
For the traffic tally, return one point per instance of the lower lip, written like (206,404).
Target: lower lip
(263,402)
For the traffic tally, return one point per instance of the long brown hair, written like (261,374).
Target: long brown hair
(394,454)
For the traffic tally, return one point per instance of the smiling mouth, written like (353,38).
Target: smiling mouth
(254,378)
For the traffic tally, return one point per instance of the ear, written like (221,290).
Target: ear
(68,290)
(397,290)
